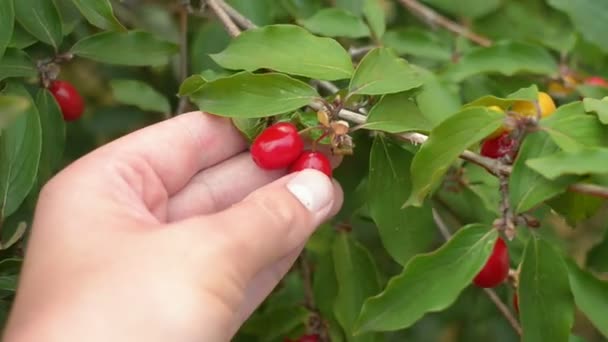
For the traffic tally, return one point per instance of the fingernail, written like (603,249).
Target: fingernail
(313,189)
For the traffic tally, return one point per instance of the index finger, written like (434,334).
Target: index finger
(175,149)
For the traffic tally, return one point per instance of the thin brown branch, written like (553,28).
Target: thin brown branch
(309,297)
(240,19)
(502,307)
(435,18)
(219,11)
(589,189)
(183,53)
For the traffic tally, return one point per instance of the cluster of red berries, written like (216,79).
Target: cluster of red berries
(305,338)
(280,146)
(68,98)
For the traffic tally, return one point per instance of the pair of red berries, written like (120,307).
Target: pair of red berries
(280,146)
(68,98)
(305,338)
(496,269)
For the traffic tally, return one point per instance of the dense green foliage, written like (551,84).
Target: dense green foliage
(416,81)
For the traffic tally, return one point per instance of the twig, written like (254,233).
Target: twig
(502,307)
(219,11)
(356,52)
(240,19)
(183,60)
(309,296)
(589,189)
(328,86)
(437,19)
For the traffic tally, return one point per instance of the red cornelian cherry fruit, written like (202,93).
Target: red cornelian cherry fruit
(312,160)
(277,146)
(309,338)
(497,147)
(496,269)
(68,98)
(596,81)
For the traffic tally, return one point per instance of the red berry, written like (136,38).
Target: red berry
(497,147)
(68,98)
(496,269)
(516,303)
(277,147)
(312,160)
(596,81)
(309,338)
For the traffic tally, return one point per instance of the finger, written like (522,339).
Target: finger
(272,221)
(263,283)
(219,187)
(174,150)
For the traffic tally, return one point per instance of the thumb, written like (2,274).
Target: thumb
(277,219)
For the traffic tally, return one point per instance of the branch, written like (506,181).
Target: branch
(589,189)
(219,11)
(502,307)
(433,17)
(240,19)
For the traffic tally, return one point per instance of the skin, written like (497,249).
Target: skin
(168,234)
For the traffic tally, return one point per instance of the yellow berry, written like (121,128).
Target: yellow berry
(527,108)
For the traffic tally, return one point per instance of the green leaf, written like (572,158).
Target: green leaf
(140,95)
(527,188)
(7,20)
(590,91)
(571,128)
(429,282)
(353,6)
(10,108)
(396,113)
(506,58)
(41,19)
(132,48)
(99,13)
(20,146)
(335,22)
(524,94)
(600,107)
(591,296)
(53,135)
(253,95)
(580,13)
(383,72)
(404,232)
(21,38)
(357,279)
(301,53)
(597,258)
(16,63)
(374,15)
(580,162)
(437,99)
(275,323)
(417,42)
(575,207)
(466,8)
(191,85)
(446,142)
(8,283)
(545,301)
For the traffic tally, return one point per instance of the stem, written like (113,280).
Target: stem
(240,19)
(435,18)
(183,60)
(502,307)
(219,11)
(309,297)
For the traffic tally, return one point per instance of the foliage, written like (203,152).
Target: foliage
(418,98)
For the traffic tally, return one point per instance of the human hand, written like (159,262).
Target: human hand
(170,233)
